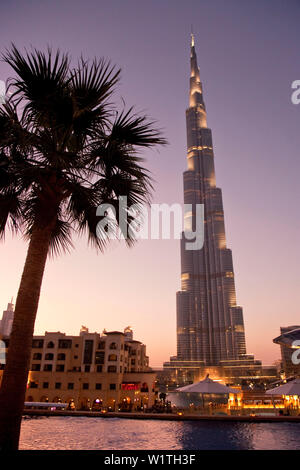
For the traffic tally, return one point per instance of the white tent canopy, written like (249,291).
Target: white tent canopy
(290,388)
(207,386)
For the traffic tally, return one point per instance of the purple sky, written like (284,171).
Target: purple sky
(248,52)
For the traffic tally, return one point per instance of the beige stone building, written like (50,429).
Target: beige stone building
(91,371)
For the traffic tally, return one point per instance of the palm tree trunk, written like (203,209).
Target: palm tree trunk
(14,382)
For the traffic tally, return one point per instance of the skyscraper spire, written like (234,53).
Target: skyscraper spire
(192,39)
(196,96)
(194,66)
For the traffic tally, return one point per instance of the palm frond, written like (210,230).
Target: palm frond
(38,75)
(91,85)
(42,85)
(10,212)
(137,131)
(61,240)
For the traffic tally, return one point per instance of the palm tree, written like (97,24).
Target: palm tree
(64,150)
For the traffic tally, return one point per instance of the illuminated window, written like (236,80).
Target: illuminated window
(112,357)
(229,274)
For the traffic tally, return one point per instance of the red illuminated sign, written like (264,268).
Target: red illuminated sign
(132,386)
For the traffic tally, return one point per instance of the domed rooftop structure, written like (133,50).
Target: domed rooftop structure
(290,388)
(207,386)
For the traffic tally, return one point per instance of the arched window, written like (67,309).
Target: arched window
(44,398)
(49,357)
(113,346)
(111,369)
(112,357)
(56,400)
(50,345)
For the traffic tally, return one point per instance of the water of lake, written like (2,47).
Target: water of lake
(70,433)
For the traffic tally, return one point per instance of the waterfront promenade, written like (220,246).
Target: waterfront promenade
(166,416)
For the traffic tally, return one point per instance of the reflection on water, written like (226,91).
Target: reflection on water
(115,433)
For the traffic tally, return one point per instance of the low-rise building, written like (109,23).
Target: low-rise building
(91,371)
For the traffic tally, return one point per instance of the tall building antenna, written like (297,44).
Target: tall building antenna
(192,37)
